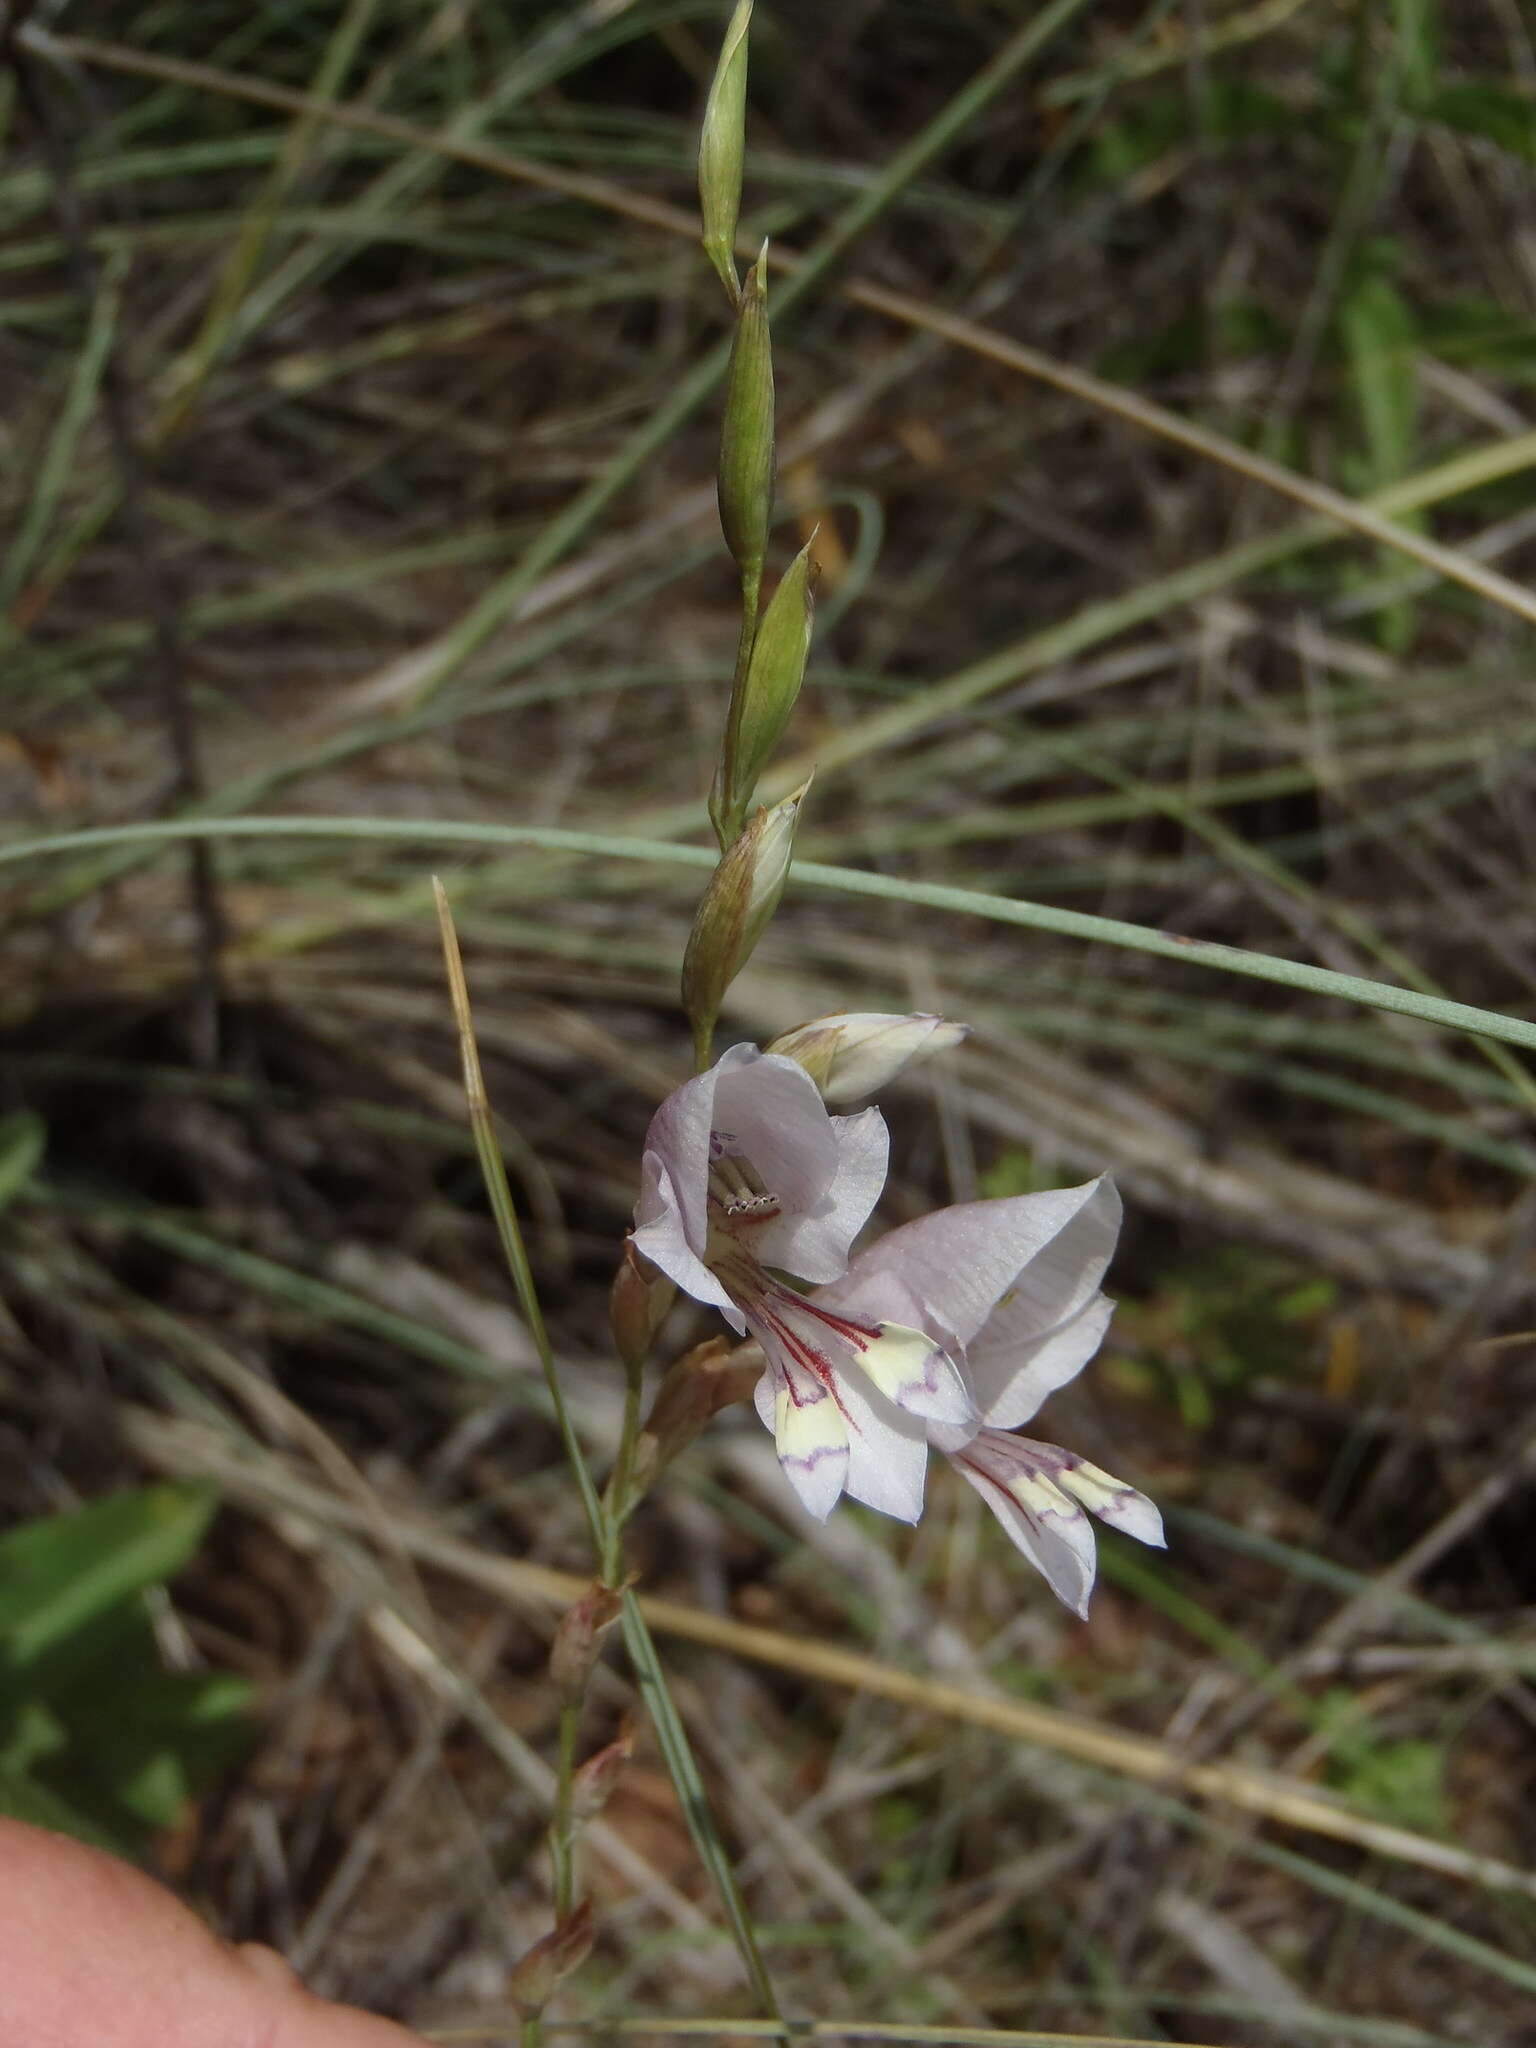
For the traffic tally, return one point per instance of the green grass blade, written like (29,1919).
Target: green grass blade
(79,402)
(1045,917)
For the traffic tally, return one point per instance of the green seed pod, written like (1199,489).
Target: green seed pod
(765,696)
(742,895)
(720,150)
(745,482)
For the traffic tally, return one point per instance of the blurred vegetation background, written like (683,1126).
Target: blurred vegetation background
(358,464)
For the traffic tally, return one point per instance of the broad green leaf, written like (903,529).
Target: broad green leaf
(95,1736)
(58,1574)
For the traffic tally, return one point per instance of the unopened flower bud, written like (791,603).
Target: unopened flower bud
(854,1053)
(579,1638)
(637,1306)
(765,695)
(535,1980)
(596,1778)
(742,895)
(721,146)
(745,480)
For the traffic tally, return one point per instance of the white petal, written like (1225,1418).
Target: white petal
(661,1234)
(1051,1530)
(1121,1506)
(1019,1376)
(764,1395)
(1050,1290)
(1045,1254)
(812,1441)
(679,1136)
(887,1452)
(814,1243)
(773,1111)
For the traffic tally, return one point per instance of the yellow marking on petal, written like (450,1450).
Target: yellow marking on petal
(1104,1495)
(810,1430)
(1042,1498)
(1098,1491)
(917,1374)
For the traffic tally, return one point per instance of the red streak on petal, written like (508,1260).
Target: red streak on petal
(859,1335)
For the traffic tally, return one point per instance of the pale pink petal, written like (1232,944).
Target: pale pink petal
(869,1293)
(1020,1374)
(770,1110)
(1121,1506)
(887,1451)
(1047,1251)
(809,1433)
(1062,1551)
(679,1136)
(1043,1521)
(814,1242)
(661,1234)
(1056,1286)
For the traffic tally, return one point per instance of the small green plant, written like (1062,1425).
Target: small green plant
(1224,1320)
(97,1738)
(1401,1779)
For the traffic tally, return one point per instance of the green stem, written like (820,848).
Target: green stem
(562,1822)
(616,1501)
(734,801)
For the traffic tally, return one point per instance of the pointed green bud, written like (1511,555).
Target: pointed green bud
(721,145)
(742,895)
(765,696)
(745,484)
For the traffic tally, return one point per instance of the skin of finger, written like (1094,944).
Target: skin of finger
(93,1952)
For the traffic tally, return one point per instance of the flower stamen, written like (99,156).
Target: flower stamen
(736,1190)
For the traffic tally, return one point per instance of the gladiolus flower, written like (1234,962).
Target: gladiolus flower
(1011,1289)
(745,1171)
